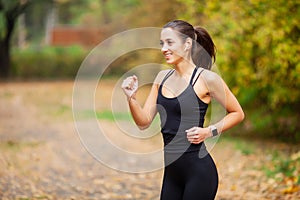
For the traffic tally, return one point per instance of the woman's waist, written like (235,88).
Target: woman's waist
(178,143)
(196,151)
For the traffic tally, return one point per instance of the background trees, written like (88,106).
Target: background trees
(10,10)
(258,52)
(257,42)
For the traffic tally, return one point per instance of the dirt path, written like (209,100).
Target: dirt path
(42,156)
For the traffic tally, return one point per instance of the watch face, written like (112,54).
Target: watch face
(215,132)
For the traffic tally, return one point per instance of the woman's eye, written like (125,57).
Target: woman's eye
(168,42)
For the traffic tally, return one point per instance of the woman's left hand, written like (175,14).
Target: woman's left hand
(197,135)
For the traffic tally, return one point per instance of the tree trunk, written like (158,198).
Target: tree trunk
(5,46)
(4,59)
(10,20)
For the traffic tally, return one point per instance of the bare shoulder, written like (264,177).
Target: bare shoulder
(215,84)
(211,77)
(160,76)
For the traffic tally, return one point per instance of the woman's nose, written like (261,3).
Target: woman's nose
(164,48)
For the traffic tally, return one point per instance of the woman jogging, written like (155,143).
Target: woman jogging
(181,97)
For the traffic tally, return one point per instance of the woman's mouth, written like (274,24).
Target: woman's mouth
(168,55)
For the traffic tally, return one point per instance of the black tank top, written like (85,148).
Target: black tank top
(179,114)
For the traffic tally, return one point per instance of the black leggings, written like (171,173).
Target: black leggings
(189,178)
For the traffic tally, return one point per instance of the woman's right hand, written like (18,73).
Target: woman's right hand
(130,86)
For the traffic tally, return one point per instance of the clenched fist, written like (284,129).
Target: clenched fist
(130,85)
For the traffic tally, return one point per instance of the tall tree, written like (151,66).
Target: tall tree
(10,10)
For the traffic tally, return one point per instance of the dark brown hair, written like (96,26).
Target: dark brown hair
(203,53)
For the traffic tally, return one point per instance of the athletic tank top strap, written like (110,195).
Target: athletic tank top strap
(191,80)
(193,75)
(167,76)
(197,77)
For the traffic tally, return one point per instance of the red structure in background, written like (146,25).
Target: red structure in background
(85,36)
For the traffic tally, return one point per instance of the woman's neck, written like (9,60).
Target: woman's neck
(184,68)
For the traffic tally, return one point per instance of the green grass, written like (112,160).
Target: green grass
(106,115)
(280,165)
(283,164)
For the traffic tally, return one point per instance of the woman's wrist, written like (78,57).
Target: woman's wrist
(208,132)
(130,98)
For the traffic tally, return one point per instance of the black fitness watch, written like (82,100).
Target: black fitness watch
(214,130)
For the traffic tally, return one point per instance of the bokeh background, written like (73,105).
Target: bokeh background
(44,42)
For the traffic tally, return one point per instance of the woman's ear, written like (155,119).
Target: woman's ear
(186,47)
(188,44)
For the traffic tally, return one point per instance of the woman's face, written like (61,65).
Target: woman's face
(172,46)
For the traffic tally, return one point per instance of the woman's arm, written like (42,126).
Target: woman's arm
(218,90)
(143,116)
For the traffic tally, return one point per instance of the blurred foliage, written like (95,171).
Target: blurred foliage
(258,40)
(51,62)
(258,51)
(285,170)
(134,58)
(263,45)
(259,57)
(10,10)
(154,13)
(278,161)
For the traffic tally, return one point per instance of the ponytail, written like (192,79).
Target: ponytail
(204,50)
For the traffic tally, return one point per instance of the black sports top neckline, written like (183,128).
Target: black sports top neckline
(180,113)
(191,83)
